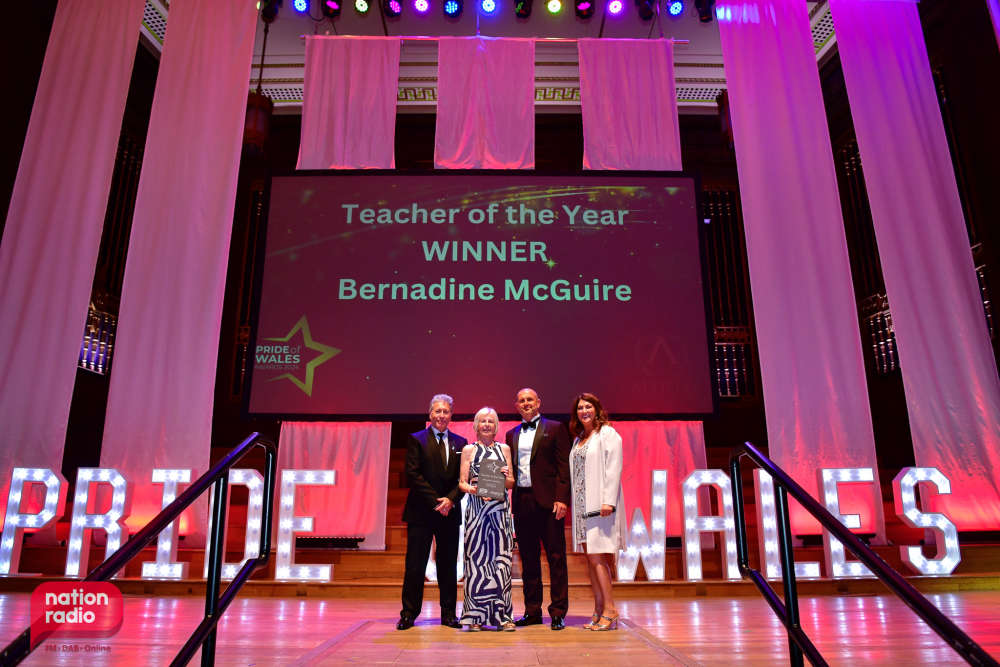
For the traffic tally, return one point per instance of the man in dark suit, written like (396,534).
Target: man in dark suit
(432,512)
(540,449)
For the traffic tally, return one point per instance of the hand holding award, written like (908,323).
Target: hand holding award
(492,482)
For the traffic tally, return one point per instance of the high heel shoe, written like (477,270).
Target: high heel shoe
(593,622)
(612,624)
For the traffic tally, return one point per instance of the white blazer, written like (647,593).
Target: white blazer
(603,479)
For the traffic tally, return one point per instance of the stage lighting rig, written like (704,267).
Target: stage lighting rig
(452,8)
(584,8)
(361,6)
(269,10)
(522,8)
(330,8)
(301,6)
(554,6)
(392,8)
(675,7)
(646,9)
(615,7)
(488,7)
(705,10)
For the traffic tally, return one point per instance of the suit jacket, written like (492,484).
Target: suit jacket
(429,479)
(549,461)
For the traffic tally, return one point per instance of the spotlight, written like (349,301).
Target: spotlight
(584,8)
(361,6)
(522,8)
(452,8)
(704,8)
(675,8)
(301,6)
(645,8)
(615,7)
(330,8)
(421,6)
(391,8)
(554,6)
(488,6)
(268,10)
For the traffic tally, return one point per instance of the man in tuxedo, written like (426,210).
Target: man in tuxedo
(540,449)
(432,511)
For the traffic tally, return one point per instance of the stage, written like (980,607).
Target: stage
(868,629)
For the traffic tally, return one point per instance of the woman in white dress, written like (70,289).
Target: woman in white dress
(598,501)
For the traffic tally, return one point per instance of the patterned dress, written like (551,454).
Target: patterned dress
(489,537)
(578,459)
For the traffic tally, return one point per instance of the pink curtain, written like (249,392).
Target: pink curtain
(949,372)
(54,223)
(815,394)
(349,103)
(359,453)
(629,104)
(677,447)
(160,404)
(486,103)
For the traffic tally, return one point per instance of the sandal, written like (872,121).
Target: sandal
(506,626)
(593,622)
(612,623)
(475,627)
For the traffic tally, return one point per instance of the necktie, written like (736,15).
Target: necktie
(442,450)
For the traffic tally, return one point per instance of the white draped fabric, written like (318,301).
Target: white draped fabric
(54,223)
(349,103)
(629,104)
(358,452)
(812,371)
(675,446)
(160,403)
(486,103)
(949,372)
(994,6)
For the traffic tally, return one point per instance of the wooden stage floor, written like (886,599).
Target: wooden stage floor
(865,629)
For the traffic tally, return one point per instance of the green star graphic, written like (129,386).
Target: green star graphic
(326,352)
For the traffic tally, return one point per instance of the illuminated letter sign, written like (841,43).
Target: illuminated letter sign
(285,567)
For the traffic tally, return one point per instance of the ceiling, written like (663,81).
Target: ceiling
(698,67)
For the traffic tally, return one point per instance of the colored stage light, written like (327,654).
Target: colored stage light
(301,5)
(330,8)
(676,8)
(584,8)
(452,8)
(361,6)
(554,6)
(522,8)
(705,9)
(391,8)
(421,5)
(488,6)
(615,7)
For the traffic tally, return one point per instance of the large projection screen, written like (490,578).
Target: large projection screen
(380,289)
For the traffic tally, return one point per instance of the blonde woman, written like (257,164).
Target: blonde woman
(489,532)
(596,480)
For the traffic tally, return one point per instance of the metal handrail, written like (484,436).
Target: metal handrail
(218,477)
(788,613)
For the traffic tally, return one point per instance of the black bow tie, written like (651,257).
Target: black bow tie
(527,426)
